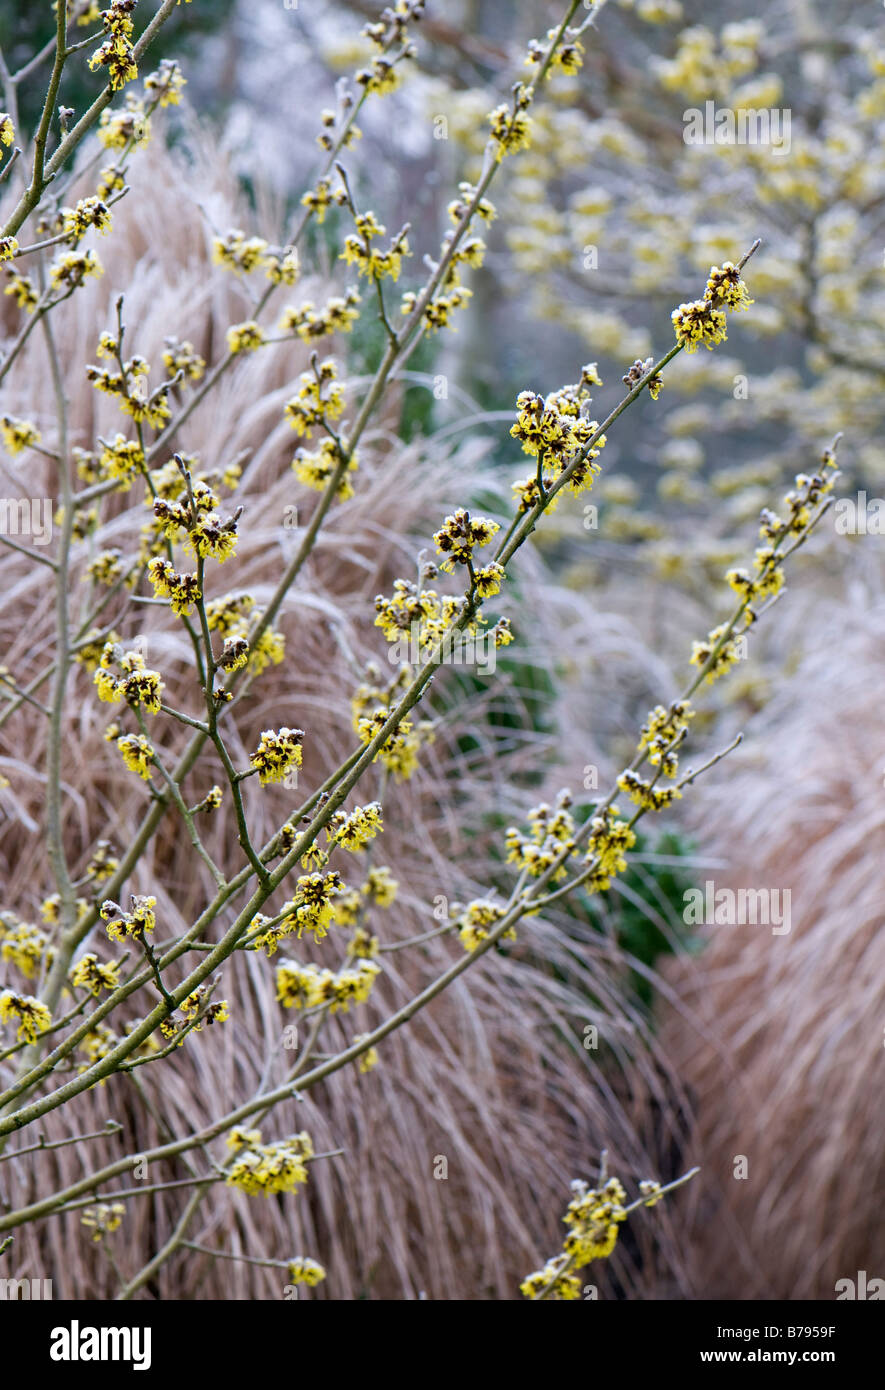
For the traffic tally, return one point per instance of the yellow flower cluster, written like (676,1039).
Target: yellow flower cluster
(121,459)
(511,127)
(204,533)
(369,260)
(552,832)
(338,315)
(662,730)
(191,1007)
(120,130)
(95,975)
(312,909)
(399,751)
(89,212)
(474,923)
(138,755)
(644,794)
(320,398)
(277,752)
(106,568)
(461,534)
(304,1270)
(130,385)
(557,431)
(568,57)
(165,86)
(608,843)
(307,986)
(137,922)
(245,337)
(437,312)
(411,611)
(380,886)
(315,470)
(355,829)
(237,252)
(265,1169)
(182,590)
(24,945)
(318,200)
(703,320)
(116,53)
(182,356)
(138,686)
(103,1218)
(593,1217)
(33,1015)
(18,434)
(22,289)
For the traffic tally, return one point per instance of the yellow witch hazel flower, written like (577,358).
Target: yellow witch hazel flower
(726,649)
(399,751)
(103,1218)
(277,752)
(319,398)
(94,975)
(138,686)
(559,1284)
(266,1169)
(138,755)
(369,1060)
(318,200)
(32,1014)
(558,430)
(698,322)
(338,315)
(182,590)
(315,470)
(245,337)
(116,53)
(644,794)
(307,986)
(568,56)
(703,320)
(478,917)
(594,1217)
(304,1270)
(122,459)
(380,886)
(166,85)
(137,922)
(236,252)
(552,832)
(21,287)
(607,846)
(511,127)
(24,945)
(460,534)
(313,910)
(18,434)
(370,261)
(355,829)
(117,130)
(661,733)
(89,212)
